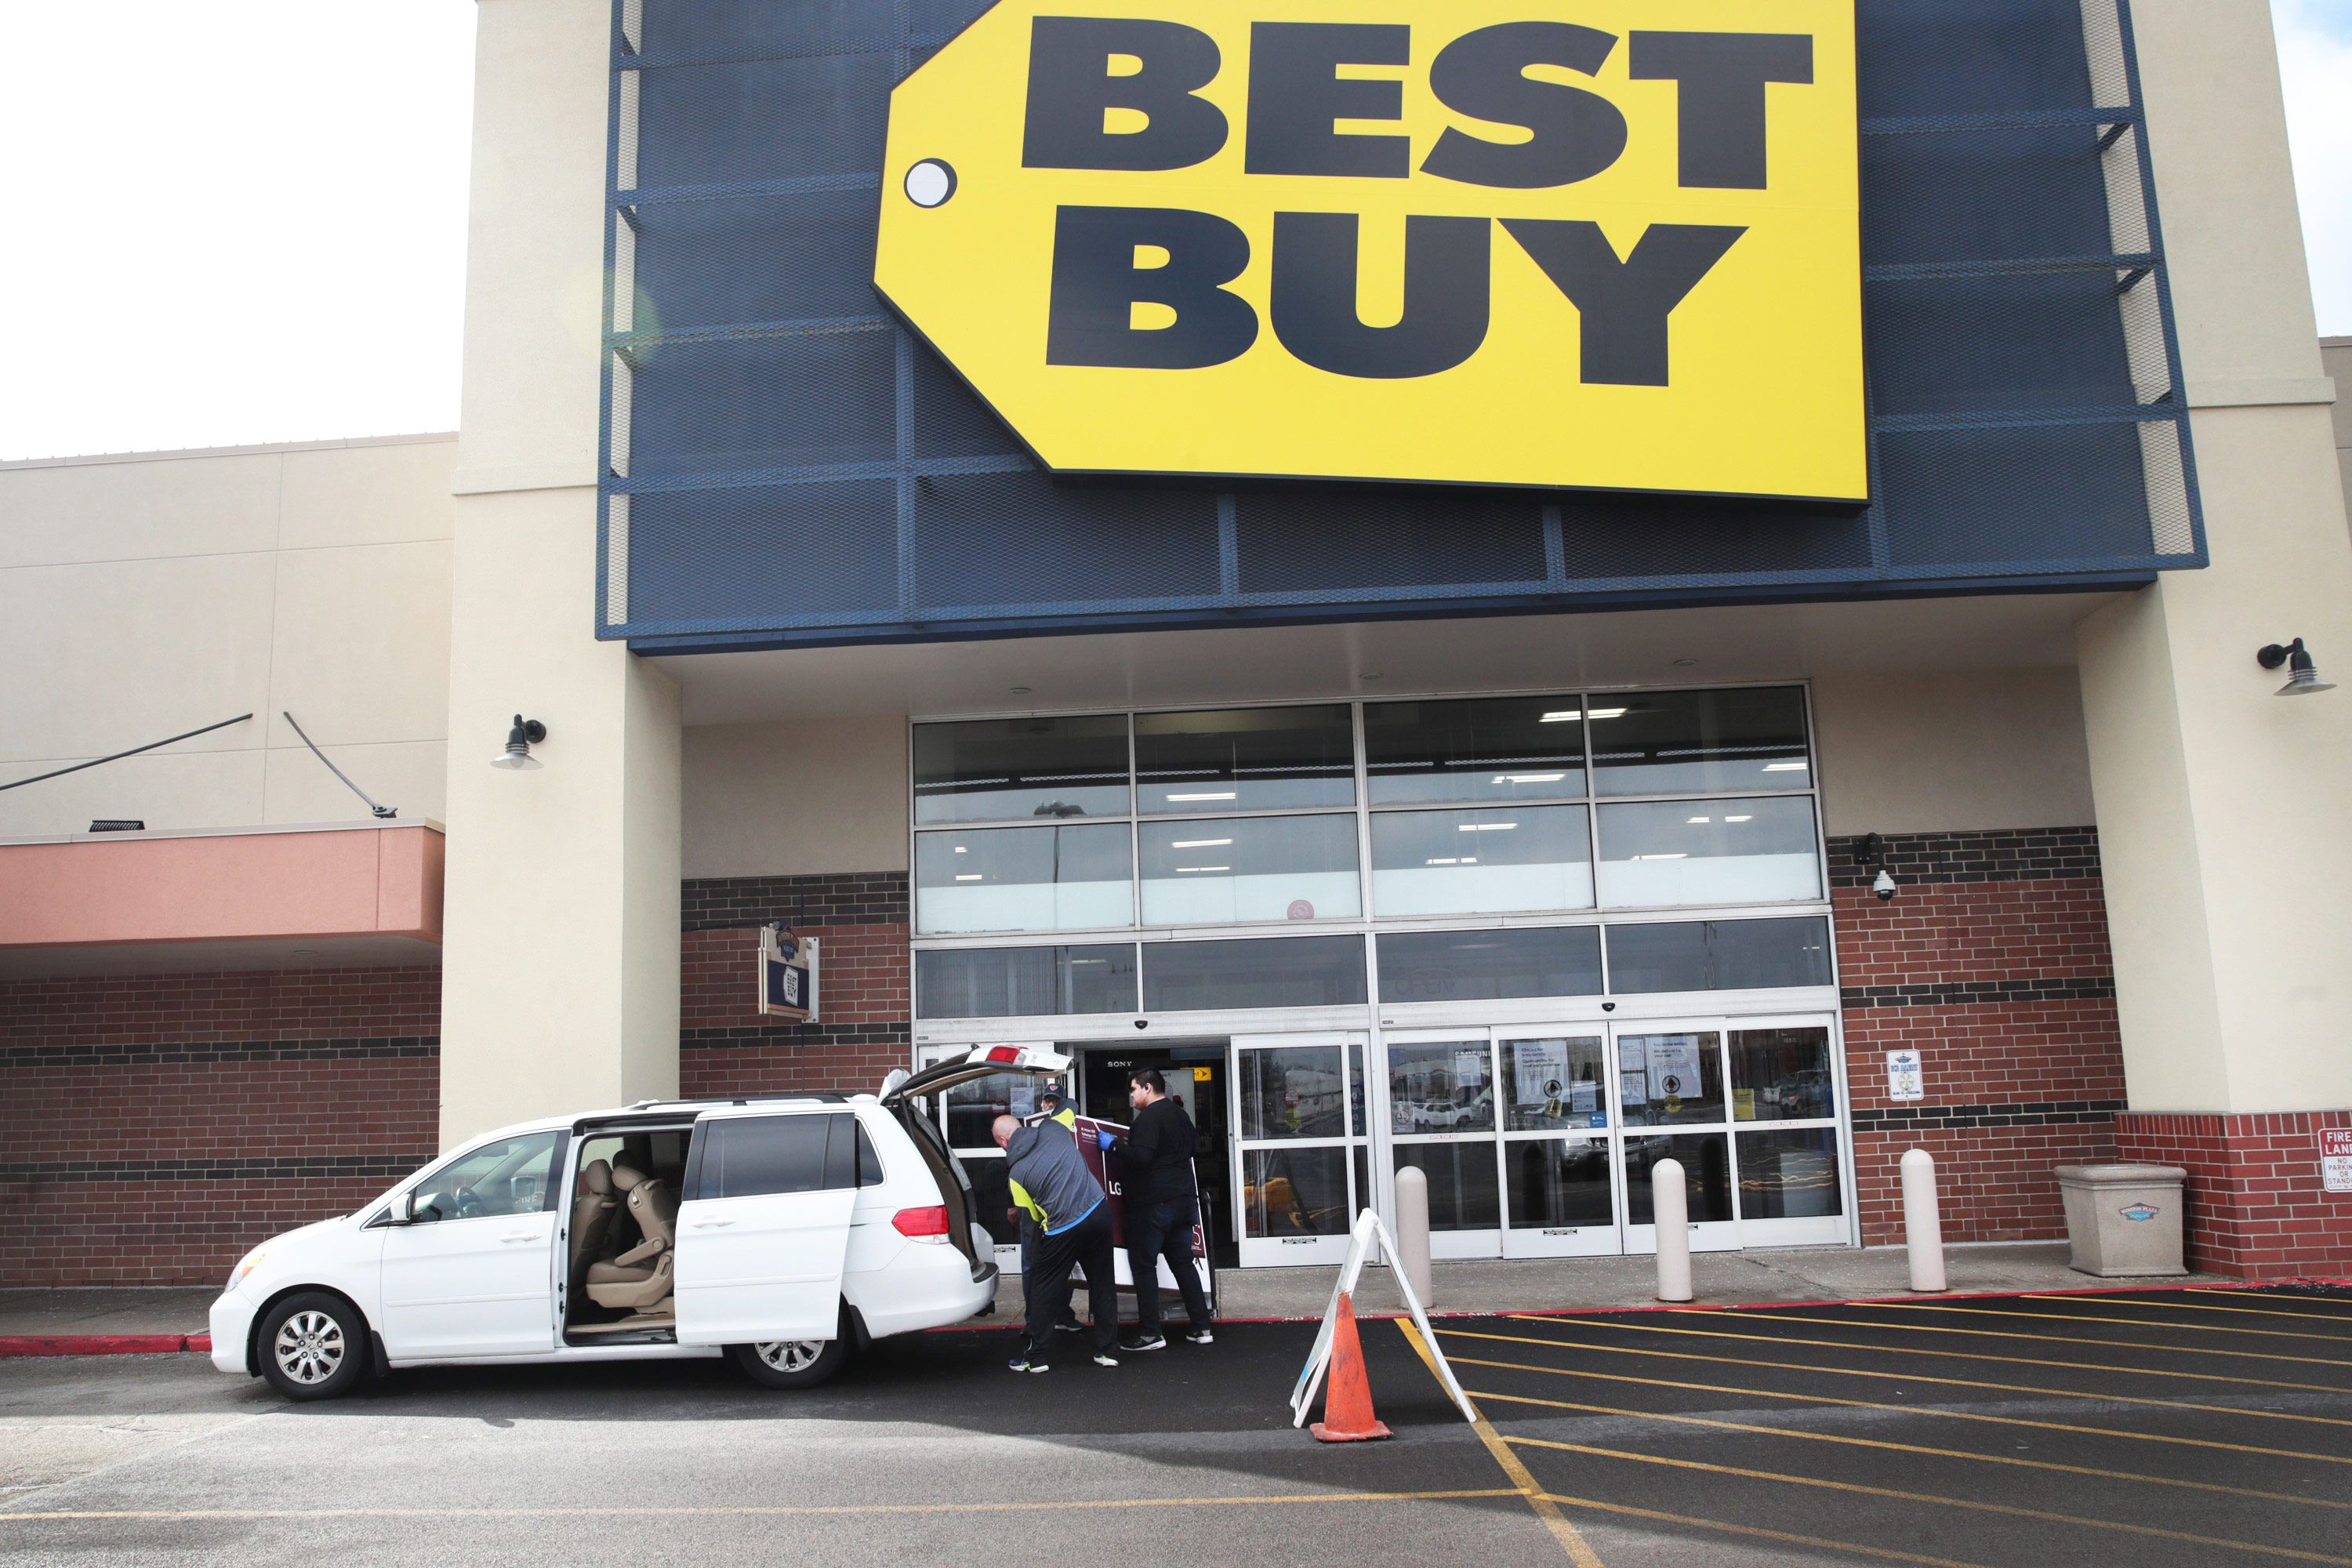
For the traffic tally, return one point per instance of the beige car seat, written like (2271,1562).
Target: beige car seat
(640,1278)
(592,1219)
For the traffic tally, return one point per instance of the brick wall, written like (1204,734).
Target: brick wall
(157,1126)
(866,1004)
(1992,964)
(2255,1206)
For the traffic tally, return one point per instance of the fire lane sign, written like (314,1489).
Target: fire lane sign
(2336,1159)
(1603,243)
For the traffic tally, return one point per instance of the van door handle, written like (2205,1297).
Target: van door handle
(712,1224)
(520,1236)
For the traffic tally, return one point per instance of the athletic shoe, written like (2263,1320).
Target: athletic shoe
(1070,1326)
(1202,1337)
(1024,1361)
(1142,1343)
(1103,1358)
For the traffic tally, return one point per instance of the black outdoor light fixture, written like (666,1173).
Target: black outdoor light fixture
(2303,676)
(517,757)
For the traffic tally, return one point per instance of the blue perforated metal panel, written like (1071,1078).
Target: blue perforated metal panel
(785,464)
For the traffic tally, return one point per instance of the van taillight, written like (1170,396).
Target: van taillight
(922,1225)
(1005,1054)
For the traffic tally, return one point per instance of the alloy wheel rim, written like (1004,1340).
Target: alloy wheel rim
(790,1355)
(309,1348)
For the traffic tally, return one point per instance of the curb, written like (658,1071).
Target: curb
(104,1344)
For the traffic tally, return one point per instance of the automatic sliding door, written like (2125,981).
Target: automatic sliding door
(1558,1193)
(1442,1121)
(1784,1107)
(1674,1105)
(1298,1121)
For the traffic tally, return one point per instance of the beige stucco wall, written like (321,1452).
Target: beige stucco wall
(148,595)
(1964,751)
(2229,868)
(796,800)
(2335,354)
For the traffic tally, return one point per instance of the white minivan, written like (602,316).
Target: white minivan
(783,1231)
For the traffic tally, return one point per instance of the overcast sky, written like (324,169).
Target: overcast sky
(245,221)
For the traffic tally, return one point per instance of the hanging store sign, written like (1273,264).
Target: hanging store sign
(1610,244)
(788,976)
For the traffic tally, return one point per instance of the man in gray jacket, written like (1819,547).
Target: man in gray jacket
(1050,1180)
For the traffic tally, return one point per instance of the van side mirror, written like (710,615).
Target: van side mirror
(404,1209)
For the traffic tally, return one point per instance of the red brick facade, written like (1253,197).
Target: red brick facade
(157,1126)
(2256,1207)
(1991,962)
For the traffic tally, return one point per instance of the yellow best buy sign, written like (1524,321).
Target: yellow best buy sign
(1609,244)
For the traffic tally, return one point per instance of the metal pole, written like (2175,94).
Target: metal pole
(1413,1232)
(1670,1207)
(1923,1225)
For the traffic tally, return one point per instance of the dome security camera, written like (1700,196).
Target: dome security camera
(1884,887)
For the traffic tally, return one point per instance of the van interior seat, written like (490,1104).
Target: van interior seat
(592,1219)
(639,1278)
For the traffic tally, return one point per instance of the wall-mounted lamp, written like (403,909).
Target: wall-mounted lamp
(1871,850)
(2303,676)
(526,733)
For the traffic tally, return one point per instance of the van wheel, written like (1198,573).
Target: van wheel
(313,1345)
(794,1364)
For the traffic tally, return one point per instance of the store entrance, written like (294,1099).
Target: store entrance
(1195,1075)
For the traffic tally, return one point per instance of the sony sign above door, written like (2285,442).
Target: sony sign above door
(1614,245)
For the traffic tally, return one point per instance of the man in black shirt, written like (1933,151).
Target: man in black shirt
(1160,1206)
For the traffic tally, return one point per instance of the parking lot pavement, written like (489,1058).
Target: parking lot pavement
(2159,1427)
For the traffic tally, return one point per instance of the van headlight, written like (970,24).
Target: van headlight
(245,1266)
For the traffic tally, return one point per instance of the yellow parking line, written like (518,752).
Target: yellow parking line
(1948,1355)
(2260,1293)
(1893,1495)
(1930,1410)
(2056,1340)
(2091,1471)
(1755,1532)
(2206,1307)
(1929,1378)
(747,1511)
(1570,1539)
(2089,1318)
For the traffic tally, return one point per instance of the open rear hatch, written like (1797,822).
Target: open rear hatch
(902,1091)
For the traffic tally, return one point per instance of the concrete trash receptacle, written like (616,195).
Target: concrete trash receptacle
(2124,1220)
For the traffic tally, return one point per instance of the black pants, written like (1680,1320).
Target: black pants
(1047,1291)
(1164,1230)
(1030,1237)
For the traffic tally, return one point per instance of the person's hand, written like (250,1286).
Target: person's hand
(1103,1140)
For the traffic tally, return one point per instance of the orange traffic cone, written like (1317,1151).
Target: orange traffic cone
(1347,1393)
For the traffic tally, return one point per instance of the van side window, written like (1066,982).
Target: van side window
(850,1158)
(753,1156)
(511,1176)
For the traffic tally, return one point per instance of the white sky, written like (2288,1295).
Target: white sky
(245,221)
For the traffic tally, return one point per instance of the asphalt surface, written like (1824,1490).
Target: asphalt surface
(2158,1428)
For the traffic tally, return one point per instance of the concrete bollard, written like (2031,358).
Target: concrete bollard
(1923,1225)
(1670,1207)
(1412,1233)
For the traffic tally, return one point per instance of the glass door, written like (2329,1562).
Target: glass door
(1559,1197)
(967,1113)
(1442,1120)
(1672,1105)
(1300,1130)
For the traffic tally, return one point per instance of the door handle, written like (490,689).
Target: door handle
(712,1223)
(520,1237)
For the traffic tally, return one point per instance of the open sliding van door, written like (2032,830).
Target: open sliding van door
(763,1229)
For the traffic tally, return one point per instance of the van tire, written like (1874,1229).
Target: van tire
(796,1363)
(327,1349)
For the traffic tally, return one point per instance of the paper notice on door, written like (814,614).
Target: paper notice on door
(1539,1071)
(1584,1097)
(1633,1086)
(1673,1068)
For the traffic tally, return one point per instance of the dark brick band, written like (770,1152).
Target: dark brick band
(2055,853)
(101,1054)
(797,1037)
(372,1167)
(1984,993)
(1940,1117)
(862,897)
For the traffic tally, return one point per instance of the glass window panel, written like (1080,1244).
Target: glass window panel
(1781,1075)
(1464,1192)
(1294,1191)
(1657,854)
(1719,955)
(1503,749)
(1023,879)
(1668,742)
(1293,1092)
(511,1176)
(767,1154)
(1706,1175)
(1790,1175)
(1558,1184)
(995,770)
(1024,981)
(1447,1087)
(972,1108)
(1276,972)
(1668,1080)
(1481,862)
(1250,869)
(1488,965)
(1245,759)
(1554,1085)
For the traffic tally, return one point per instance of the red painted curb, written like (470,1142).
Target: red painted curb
(104,1344)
